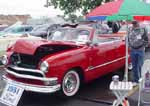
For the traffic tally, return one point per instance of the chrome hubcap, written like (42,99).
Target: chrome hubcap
(70,83)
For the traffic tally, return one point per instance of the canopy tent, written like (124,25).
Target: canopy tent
(107,9)
(121,10)
(134,8)
(118,17)
(143,18)
(97,18)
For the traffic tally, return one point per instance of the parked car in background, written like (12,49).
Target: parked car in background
(148,28)
(146,24)
(2,27)
(70,57)
(42,30)
(7,40)
(16,29)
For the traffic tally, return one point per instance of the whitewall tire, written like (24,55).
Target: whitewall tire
(71,83)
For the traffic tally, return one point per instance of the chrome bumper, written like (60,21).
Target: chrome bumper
(34,88)
(30,76)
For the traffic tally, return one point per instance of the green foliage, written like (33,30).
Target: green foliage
(72,17)
(71,6)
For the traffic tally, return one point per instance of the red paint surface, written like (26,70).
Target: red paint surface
(84,58)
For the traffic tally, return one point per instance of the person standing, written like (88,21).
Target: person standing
(138,39)
(115,26)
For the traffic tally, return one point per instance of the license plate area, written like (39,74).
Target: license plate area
(11,94)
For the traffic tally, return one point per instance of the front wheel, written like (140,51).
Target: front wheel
(70,83)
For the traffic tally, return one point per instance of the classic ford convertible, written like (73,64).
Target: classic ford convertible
(69,57)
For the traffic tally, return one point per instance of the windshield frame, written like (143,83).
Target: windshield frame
(75,35)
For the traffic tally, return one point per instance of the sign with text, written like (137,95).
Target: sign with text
(11,94)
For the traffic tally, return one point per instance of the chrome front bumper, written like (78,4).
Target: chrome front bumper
(31,77)
(34,88)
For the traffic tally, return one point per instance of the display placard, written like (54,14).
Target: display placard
(11,94)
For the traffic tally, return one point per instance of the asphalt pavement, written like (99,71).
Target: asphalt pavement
(95,93)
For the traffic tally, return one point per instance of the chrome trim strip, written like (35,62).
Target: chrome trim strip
(27,70)
(105,63)
(30,77)
(35,88)
(109,42)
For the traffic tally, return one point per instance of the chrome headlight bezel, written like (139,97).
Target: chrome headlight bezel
(4,60)
(44,66)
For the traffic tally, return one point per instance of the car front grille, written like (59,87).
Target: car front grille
(23,71)
(24,60)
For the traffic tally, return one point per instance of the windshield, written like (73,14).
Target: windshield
(13,27)
(123,28)
(70,34)
(14,30)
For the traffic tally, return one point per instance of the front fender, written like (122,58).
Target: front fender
(60,64)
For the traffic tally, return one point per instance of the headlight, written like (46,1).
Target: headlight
(4,60)
(44,66)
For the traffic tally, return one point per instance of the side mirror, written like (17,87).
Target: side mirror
(88,43)
(95,44)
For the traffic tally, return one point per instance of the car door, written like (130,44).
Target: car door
(102,56)
(109,45)
(120,52)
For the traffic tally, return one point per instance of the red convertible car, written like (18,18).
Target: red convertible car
(69,57)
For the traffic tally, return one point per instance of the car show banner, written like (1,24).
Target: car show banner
(11,94)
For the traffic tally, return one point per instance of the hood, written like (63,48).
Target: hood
(30,46)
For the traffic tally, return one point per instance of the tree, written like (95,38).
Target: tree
(72,6)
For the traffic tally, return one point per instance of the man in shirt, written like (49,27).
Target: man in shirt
(138,40)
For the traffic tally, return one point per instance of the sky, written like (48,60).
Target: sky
(33,7)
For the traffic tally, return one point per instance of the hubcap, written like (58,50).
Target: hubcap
(70,83)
